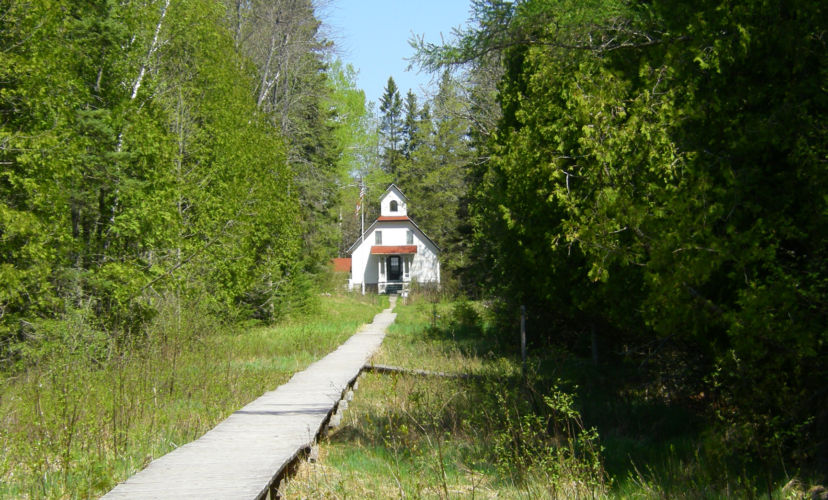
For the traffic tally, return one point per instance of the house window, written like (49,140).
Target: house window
(409,238)
(378,237)
(393,205)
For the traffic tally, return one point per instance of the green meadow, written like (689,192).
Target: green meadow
(567,429)
(80,411)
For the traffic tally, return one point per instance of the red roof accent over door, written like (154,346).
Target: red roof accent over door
(389,249)
(393,218)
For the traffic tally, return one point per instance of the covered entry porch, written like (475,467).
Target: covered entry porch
(393,267)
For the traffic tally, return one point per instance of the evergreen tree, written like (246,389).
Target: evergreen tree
(409,127)
(149,170)
(283,40)
(435,176)
(657,171)
(391,127)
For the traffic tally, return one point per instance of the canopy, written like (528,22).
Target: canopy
(393,250)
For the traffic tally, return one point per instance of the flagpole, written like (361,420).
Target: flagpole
(361,209)
(362,219)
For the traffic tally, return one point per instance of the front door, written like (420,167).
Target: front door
(394,268)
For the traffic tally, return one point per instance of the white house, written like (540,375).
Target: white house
(393,251)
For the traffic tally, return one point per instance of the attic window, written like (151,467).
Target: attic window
(378,237)
(393,207)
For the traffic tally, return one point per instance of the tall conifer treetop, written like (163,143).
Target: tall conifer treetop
(391,127)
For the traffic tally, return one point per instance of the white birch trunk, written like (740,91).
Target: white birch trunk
(135,86)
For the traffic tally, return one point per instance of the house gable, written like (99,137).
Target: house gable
(384,222)
(393,203)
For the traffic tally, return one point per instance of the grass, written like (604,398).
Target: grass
(89,410)
(570,431)
(658,448)
(480,437)
(86,411)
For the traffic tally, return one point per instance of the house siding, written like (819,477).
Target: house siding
(393,194)
(424,267)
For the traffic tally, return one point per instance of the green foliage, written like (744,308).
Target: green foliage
(135,162)
(444,437)
(495,435)
(302,96)
(658,173)
(544,448)
(465,316)
(392,127)
(426,152)
(433,174)
(553,444)
(358,163)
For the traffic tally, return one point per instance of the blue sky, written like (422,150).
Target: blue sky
(373,36)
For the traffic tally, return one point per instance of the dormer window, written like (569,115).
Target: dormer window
(394,207)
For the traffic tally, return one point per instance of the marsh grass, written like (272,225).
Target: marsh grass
(427,437)
(567,430)
(82,410)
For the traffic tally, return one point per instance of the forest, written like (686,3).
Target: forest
(649,179)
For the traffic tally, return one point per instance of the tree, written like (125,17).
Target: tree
(135,163)
(409,126)
(434,177)
(290,53)
(391,127)
(650,169)
(356,132)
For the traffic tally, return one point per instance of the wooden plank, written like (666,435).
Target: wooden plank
(243,455)
(416,372)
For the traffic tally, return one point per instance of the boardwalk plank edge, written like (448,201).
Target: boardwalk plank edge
(388,369)
(248,454)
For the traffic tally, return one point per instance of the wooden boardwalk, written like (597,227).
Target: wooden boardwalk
(244,456)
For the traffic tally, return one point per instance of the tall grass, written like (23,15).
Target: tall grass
(430,437)
(567,429)
(82,410)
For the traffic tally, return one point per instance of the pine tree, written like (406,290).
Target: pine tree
(410,124)
(391,127)
(434,175)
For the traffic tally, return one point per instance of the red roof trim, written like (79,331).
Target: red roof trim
(393,218)
(389,249)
